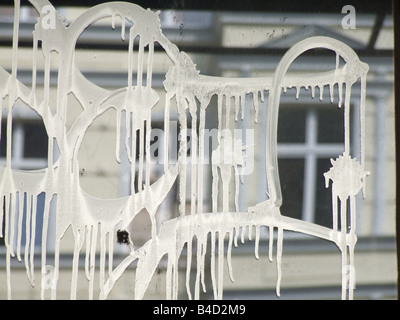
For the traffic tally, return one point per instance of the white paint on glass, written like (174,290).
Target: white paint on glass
(92,218)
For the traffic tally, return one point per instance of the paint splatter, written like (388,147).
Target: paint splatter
(102,222)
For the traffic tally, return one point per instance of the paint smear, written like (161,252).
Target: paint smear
(95,222)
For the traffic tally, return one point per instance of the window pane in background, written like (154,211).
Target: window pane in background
(3,145)
(330,125)
(36,140)
(323,205)
(291,125)
(291,173)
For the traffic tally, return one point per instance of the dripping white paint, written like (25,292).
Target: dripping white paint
(92,218)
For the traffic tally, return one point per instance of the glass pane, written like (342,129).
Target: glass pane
(291,125)
(36,141)
(330,125)
(291,173)
(323,205)
(3,145)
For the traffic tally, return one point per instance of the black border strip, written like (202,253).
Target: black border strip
(396,18)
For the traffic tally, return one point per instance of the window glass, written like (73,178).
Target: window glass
(3,142)
(35,140)
(291,175)
(291,126)
(330,125)
(29,140)
(323,203)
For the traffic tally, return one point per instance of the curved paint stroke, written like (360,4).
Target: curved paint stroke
(90,218)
